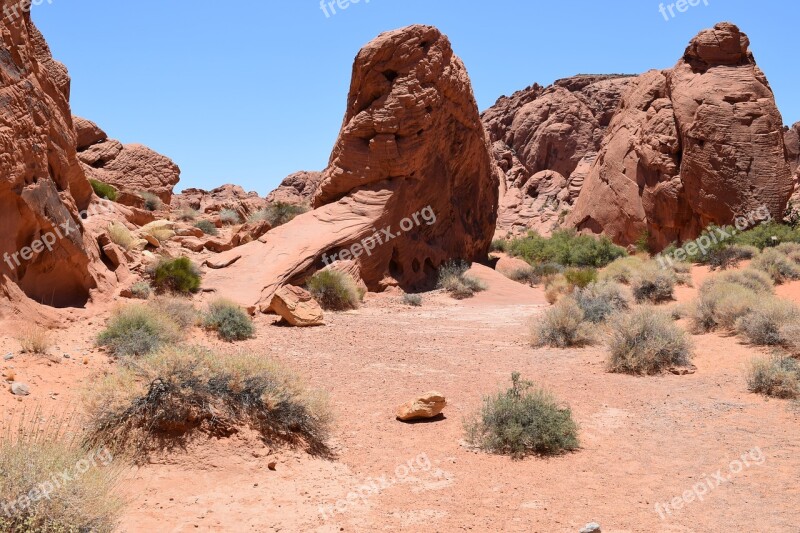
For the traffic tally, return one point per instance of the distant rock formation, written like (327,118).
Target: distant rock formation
(131,168)
(690,146)
(297,188)
(411,176)
(225,197)
(545,139)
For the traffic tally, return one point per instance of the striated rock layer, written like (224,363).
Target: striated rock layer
(410,183)
(688,147)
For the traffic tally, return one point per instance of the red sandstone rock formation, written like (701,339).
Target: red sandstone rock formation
(412,144)
(226,197)
(552,133)
(297,188)
(691,146)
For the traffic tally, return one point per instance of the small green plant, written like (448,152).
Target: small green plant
(229,320)
(413,300)
(278,213)
(176,275)
(646,341)
(141,290)
(103,190)
(335,290)
(151,201)
(229,217)
(207,227)
(778,377)
(561,326)
(567,248)
(580,277)
(521,421)
(137,330)
(499,245)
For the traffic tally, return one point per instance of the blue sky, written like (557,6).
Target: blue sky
(249,91)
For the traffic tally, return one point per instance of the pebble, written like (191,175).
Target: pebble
(20,389)
(8,357)
(592,527)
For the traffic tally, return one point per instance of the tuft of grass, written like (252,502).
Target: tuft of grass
(600,300)
(580,277)
(623,269)
(413,300)
(207,227)
(229,217)
(566,247)
(555,287)
(278,213)
(229,320)
(335,290)
(141,290)
(523,420)
(178,275)
(652,284)
(765,323)
(525,275)
(561,326)
(168,396)
(34,339)
(32,454)
(646,341)
(187,214)
(120,235)
(778,377)
(137,330)
(180,310)
(453,279)
(103,190)
(151,201)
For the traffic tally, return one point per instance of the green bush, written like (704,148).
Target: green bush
(229,320)
(623,269)
(653,284)
(767,235)
(141,290)
(499,245)
(580,277)
(567,248)
(207,227)
(561,326)
(335,290)
(778,377)
(278,213)
(170,395)
(598,301)
(229,217)
(176,275)
(103,190)
(646,341)
(521,421)
(136,330)
(764,324)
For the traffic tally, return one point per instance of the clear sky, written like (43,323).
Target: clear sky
(249,91)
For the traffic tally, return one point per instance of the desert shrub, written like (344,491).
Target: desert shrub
(334,290)
(499,245)
(278,213)
(104,190)
(207,227)
(120,235)
(653,284)
(580,277)
(778,265)
(229,217)
(764,324)
(646,341)
(174,393)
(720,305)
(523,420)
(730,256)
(755,280)
(34,339)
(151,201)
(141,290)
(176,275)
(600,300)
(548,269)
(778,377)
(180,310)
(561,326)
(454,280)
(767,235)
(187,214)
(413,300)
(524,275)
(229,320)
(622,270)
(567,248)
(136,330)
(32,454)
(555,287)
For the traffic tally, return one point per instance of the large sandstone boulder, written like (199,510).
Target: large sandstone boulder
(297,188)
(45,252)
(691,146)
(297,307)
(555,130)
(429,405)
(410,185)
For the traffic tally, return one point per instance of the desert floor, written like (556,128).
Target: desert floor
(645,440)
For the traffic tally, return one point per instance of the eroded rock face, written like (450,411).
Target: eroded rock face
(226,197)
(412,158)
(558,130)
(297,188)
(42,185)
(691,146)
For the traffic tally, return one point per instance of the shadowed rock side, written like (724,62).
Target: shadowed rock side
(691,146)
(42,185)
(412,139)
(544,141)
